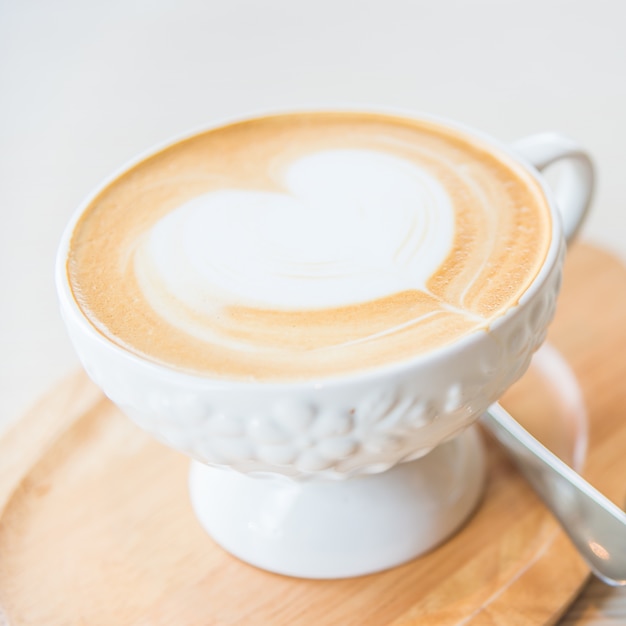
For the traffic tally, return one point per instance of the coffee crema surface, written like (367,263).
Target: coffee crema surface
(308,245)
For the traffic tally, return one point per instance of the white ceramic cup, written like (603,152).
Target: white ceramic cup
(350,474)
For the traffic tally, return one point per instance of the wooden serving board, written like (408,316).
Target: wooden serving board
(96,526)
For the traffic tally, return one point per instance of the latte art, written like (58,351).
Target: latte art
(351,226)
(308,245)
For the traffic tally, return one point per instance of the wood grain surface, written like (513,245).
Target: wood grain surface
(96,526)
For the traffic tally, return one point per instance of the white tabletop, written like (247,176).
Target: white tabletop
(84,86)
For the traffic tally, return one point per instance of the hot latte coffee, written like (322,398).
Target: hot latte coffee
(308,245)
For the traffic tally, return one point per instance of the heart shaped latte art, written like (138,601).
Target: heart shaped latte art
(351,226)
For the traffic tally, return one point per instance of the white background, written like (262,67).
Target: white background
(84,86)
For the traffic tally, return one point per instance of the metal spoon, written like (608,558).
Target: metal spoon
(596,526)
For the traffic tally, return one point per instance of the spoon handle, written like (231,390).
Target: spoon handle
(595,525)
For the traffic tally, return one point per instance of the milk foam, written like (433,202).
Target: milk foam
(351,226)
(308,245)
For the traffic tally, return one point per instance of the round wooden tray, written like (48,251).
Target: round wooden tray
(96,526)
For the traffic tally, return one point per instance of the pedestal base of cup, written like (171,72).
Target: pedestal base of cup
(335,529)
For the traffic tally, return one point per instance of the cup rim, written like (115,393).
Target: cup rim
(495,146)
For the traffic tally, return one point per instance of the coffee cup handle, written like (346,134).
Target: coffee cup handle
(574,190)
